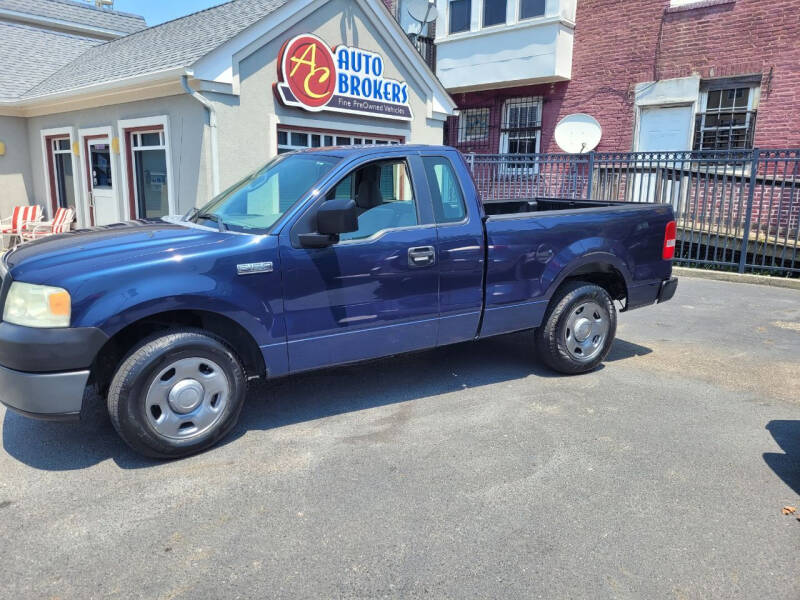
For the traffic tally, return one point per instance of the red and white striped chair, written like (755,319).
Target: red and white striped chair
(12,227)
(61,223)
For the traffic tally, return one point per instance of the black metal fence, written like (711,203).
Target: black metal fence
(735,210)
(427,48)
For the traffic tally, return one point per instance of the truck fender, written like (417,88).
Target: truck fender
(555,274)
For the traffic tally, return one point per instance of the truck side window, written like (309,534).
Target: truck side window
(383,195)
(448,201)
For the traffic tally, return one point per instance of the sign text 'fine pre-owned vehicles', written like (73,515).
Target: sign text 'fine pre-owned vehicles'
(318,259)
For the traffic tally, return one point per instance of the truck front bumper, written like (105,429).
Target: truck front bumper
(43,372)
(51,396)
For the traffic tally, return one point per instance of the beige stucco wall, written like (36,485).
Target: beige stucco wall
(15,172)
(247,124)
(191,177)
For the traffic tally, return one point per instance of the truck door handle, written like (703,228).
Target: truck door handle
(422,256)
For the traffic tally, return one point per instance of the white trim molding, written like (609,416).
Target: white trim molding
(76,177)
(155,122)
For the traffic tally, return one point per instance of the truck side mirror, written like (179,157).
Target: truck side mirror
(333,218)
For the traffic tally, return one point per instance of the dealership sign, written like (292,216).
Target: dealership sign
(349,80)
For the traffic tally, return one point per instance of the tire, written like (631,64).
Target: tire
(177,393)
(570,339)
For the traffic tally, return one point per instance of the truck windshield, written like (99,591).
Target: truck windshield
(258,201)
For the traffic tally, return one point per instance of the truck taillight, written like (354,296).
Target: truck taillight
(669,241)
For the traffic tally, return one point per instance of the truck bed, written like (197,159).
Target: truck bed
(525,205)
(531,244)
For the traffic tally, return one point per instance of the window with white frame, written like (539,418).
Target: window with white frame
(520,133)
(63,175)
(148,155)
(460,15)
(521,126)
(289,140)
(530,9)
(727,117)
(494,12)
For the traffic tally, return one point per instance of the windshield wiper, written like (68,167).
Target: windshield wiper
(212,217)
(191,214)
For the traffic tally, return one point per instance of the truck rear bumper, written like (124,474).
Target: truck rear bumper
(648,293)
(51,396)
(667,290)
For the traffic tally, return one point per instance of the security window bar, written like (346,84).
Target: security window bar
(521,127)
(728,122)
(460,15)
(520,132)
(494,12)
(473,125)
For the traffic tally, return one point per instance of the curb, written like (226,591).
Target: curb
(781,282)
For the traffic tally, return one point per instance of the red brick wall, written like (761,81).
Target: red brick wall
(619,44)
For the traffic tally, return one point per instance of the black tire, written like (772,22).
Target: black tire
(552,337)
(128,393)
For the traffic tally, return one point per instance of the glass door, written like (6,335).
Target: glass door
(102,199)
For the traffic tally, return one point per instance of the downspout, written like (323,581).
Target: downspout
(212,122)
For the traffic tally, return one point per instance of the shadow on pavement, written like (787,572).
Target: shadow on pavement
(60,447)
(622,350)
(786,465)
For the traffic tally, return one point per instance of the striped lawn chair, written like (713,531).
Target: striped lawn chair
(12,227)
(61,223)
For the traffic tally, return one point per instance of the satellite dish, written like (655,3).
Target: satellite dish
(422,11)
(578,133)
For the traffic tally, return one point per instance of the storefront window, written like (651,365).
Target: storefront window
(64,177)
(149,157)
(289,140)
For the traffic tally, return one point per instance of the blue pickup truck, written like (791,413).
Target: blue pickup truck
(320,258)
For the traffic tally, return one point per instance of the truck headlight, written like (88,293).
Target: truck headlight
(37,306)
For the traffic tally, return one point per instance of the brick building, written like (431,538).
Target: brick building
(656,74)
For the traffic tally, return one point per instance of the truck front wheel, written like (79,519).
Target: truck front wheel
(177,393)
(578,328)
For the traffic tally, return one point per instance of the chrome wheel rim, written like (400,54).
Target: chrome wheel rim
(187,398)
(586,331)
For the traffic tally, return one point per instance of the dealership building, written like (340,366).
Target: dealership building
(102,114)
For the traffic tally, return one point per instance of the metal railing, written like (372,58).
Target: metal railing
(427,48)
(735,210)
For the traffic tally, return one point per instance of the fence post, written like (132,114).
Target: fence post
(471,162)
(590,179)
(748,218)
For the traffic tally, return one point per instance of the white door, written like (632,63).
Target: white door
(665,128)
(102,199)
(661,129)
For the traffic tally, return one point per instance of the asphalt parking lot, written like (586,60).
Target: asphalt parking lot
(464,472)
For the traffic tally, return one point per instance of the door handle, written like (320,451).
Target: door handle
(422,256)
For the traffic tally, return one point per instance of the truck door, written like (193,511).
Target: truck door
(460,248)
(375,292)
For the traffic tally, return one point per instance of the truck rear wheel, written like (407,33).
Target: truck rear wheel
(578,328)
(177,394)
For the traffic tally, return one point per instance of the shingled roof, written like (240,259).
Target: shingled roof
(178,43)
(81,13)
(29,55)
